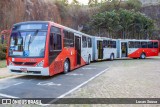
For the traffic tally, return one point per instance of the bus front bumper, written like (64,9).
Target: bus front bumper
(24,70)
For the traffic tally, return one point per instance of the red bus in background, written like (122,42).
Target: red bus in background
(47,48)
(138,48)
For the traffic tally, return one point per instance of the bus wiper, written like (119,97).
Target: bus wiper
(35,34)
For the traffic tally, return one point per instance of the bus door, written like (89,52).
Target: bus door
(100,49)
(124,49)
(78,50)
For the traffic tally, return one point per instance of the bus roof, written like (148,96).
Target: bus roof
(64,27)
(31,22)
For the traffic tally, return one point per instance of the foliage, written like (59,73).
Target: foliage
(134,4)
(110,5)
(2,64)
(123,23)
(3,50)
(75,2)
(62,7)
(92,3)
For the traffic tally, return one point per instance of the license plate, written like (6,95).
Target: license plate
(23,69)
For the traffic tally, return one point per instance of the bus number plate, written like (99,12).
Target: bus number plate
(24,69)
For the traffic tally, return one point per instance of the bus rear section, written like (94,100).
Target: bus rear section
(46,48)
(143,48)
(137,48)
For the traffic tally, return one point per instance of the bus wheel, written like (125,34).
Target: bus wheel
(66,66)
(89,60)
(111,57)
(143,56)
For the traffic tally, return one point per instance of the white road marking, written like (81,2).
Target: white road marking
(11,85)
(88,68)
(74,74)
(18,83)
(63,95)
(77,87)
(48,84)
(8,96)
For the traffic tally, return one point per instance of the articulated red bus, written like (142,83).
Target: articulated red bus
(47,48)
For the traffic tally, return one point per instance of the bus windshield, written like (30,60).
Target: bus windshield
(27,43)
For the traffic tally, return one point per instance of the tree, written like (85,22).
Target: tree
(75,2)
(126,20)
(92,3)
(106,20)
(123,23)
(65,2)
(134,4)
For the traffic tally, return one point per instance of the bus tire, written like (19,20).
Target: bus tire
(112,57)
(143,56)
(89,60)
(66,66)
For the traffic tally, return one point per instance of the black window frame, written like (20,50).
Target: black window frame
(84,41)
(55,32)
(89,42)
(68,40)
(137,44)
(155,46)
(150,44)
(146,45)
(131,44)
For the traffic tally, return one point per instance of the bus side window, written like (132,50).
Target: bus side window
(155,44)
(55,39)
(144,44)
(51,42)
(89,42)
(104,43)
(137,44)
(84,42)
(131,44)
(150,44)
(114,44)
(68,39)
(109,44)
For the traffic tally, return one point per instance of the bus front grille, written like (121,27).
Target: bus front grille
(29,72)
(25,63)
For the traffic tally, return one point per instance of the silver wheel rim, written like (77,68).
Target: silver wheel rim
(143,56)
(112,57)
(65,66)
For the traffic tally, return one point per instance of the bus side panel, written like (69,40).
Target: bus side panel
(136,53)
(58,64)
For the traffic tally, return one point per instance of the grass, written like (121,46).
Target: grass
(3,64)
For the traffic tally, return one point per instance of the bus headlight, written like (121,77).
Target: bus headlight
(40,64)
